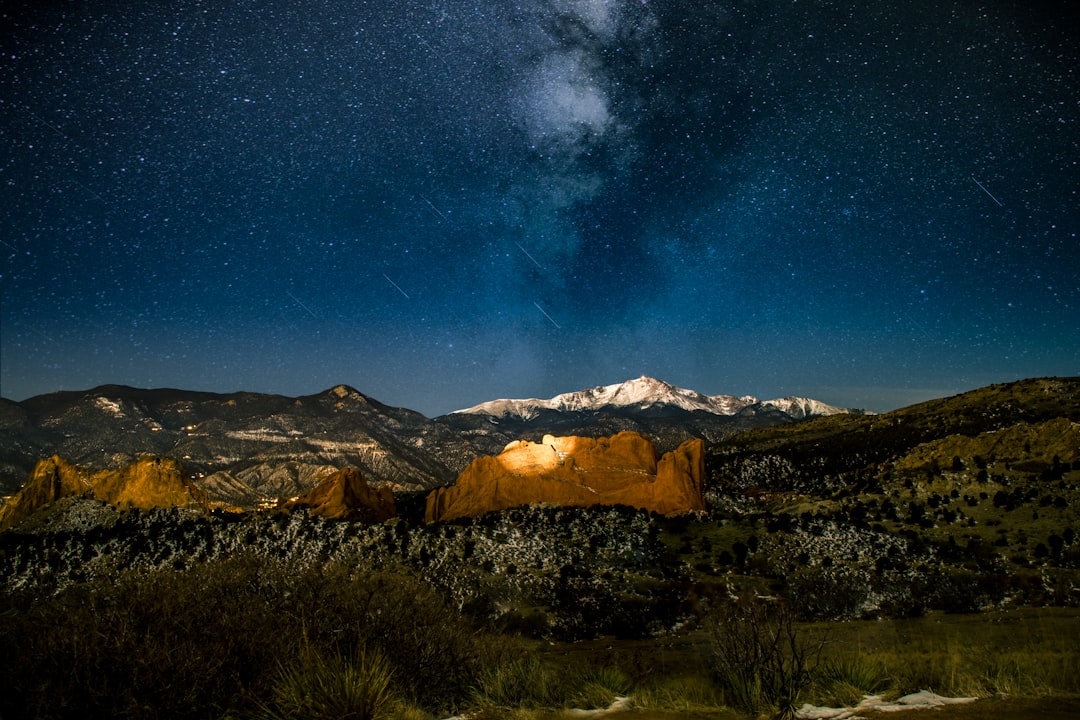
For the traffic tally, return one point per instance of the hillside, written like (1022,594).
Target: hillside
(828,453)
(959,504)
(241,448)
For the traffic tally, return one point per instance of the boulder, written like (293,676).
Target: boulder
(576,471)
(345,495)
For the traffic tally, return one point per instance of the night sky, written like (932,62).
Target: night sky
(442,202)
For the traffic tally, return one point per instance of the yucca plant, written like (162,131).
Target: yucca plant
(599,687)
(846,680)
(332,688)
(521,682)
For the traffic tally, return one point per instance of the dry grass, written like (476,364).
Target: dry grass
(1028,652)
(212,642)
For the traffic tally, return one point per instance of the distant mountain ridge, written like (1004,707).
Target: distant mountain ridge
(646,393)
(245,449)
(241,447)
(668,414)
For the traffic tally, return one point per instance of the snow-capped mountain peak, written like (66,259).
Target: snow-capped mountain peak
(801,407)
(642,394)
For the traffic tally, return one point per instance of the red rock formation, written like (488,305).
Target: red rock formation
(148,482)
(345,495)
(577,471)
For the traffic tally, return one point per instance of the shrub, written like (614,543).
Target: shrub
(760,658)
(430,644)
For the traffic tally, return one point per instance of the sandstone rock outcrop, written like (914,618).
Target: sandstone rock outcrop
(146,483)
(345,495)
(577,471)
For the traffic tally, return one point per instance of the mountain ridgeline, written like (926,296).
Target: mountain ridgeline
(245,449)
(846,452)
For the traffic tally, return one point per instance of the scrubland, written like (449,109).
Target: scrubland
(250,636)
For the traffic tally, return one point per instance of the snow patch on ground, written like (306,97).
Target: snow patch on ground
(874,703)
(621,703)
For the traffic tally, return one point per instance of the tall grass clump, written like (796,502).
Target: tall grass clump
(598,687)
(685,693)
(1027,653)
(844,681)
(519,682)
(527,682)
(332,688)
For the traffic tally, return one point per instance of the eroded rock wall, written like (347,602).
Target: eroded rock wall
(577,471)
(146,483)
(345,495)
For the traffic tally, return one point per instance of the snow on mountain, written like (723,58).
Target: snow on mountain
(800,407)
(642,394)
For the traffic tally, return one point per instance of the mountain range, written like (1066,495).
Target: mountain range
(668,414)
(647,395)
(243,448)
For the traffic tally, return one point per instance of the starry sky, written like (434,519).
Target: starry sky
(442,202)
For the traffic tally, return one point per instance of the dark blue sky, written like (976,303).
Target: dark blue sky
(444,202)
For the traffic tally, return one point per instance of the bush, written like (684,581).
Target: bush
(760,658)
(163,645)
(432,646)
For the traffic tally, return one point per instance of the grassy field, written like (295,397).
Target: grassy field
(1021,663)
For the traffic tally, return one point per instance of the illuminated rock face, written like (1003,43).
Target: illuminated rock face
(146,483)
(619,470)
(345,495)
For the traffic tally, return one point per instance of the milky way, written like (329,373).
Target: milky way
(440,203)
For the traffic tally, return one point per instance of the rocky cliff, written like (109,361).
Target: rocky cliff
(146,483)
(577,471)
(345,495)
